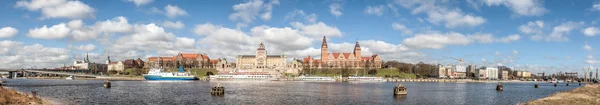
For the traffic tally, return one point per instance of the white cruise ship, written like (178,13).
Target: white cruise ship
(243,76)
(365,79)
(319,79)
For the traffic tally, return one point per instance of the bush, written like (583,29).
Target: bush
(372,72)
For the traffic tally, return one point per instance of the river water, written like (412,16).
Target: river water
(281,92)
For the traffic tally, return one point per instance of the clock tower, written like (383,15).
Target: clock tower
(261,56)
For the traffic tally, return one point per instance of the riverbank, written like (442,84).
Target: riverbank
(585,95)
(12,97)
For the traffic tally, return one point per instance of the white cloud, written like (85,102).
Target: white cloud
(515,52)
(87,48)
(35,5)
(381,47)
(375,10)
(140,2)
(401,27)
(117,24)
(59,8)
(335,9)
(587,47)
(482,37)
(300,15)
(317,30)
(438,13)
(591,31)
(596,6)
(436,40)
(174,11)
(284,38)
(7,46)
(149,39)
(173,25)
(75,24)
(521,7)
(55,32)
(247,12)
(559,32)
(533,27)
(510,38)
(19,56)
(489,38)
(6,32)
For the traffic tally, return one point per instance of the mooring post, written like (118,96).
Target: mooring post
(536,85)
(106,84)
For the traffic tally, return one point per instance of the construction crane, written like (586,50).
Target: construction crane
(459,60)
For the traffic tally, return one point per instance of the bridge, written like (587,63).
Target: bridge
(24,72)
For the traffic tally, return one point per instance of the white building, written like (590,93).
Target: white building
(490,73)
(444,71)
(261,61)
(116,66)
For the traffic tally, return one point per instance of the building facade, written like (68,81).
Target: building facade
(504,75)
(343,60)
(187,60)
(260,61)
(490,73)
(116,66)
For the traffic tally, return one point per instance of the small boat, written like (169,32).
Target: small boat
(400,90)
(70,78)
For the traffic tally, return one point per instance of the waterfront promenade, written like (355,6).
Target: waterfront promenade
(585,95)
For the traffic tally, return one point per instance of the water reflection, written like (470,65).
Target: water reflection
(282,93)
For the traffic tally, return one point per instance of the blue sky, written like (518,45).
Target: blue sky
(534,35)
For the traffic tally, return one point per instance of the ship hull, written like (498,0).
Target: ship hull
(158,77)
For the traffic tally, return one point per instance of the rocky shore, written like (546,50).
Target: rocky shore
(585,95)
(12,97)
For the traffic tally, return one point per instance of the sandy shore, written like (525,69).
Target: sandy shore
(585,95)
(12,97)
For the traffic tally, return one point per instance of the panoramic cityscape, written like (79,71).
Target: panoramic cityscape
(430,52)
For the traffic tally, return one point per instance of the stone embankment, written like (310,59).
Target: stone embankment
(584,95)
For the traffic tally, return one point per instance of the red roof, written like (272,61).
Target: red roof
(189,55)
(204,56)
(335,55)
(305,60)
(367,58)
(317,61)
(214,61)
(346,55)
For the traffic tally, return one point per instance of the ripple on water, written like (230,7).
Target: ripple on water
(281,92)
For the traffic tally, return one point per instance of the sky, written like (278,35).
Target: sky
(532,35)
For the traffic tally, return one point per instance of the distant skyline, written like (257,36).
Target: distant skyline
(534,35)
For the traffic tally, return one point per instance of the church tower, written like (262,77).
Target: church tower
(261,56)
(108,60)
(324,51)
(357,53)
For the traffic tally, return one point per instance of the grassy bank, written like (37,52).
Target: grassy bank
(393,72)
(12,97)
(585,95)
(389,72)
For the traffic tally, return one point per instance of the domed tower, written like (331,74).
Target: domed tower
(324,51)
